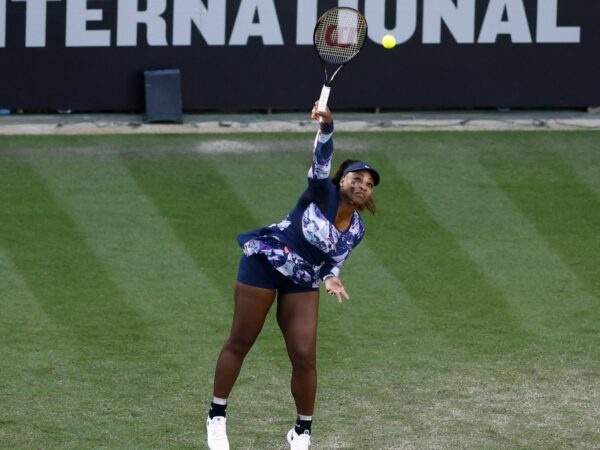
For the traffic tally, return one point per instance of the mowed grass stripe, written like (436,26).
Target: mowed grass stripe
(588,171)
(559,200)
(440,278)
(566,214)
(96,362)
(450,289)
(31,342)
(20,310)
(201,210)
(50,253)
(134,242)
(467,201)
(554,370)
(47,381)
(169,368)
(580,151)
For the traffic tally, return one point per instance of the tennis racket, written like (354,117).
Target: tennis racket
(339,35)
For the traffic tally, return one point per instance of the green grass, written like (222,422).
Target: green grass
(475,296)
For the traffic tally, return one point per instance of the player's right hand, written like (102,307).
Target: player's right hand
(326,115)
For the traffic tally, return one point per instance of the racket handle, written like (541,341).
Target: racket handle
(322,106)
(323,99)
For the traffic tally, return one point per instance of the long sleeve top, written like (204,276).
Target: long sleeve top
(306,245)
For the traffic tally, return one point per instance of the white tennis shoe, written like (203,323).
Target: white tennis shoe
(298,441)
(216,432)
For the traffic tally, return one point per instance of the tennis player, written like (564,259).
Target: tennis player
(286,260)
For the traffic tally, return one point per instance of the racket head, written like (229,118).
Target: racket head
(339,35)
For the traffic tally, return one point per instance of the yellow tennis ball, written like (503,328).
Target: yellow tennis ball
(388,41)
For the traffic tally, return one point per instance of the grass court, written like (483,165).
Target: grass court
(473,321)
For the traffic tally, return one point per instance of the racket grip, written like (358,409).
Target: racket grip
(323,99)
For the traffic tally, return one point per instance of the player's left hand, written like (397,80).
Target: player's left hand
(335,287)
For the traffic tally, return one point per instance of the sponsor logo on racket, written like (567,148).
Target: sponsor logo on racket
(344,37)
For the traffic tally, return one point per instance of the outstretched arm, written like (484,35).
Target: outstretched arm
(323,147)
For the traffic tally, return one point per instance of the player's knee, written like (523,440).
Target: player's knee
(303,358)
(239,345)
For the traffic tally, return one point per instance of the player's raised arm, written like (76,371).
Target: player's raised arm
(323,146)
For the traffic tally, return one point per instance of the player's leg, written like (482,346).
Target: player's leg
(251,307)
(253,297)
(297,315)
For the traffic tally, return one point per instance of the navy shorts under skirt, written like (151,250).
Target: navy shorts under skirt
(256,270)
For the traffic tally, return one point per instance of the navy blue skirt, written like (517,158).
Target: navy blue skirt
(256,270)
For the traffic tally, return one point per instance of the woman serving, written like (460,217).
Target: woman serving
(286,260)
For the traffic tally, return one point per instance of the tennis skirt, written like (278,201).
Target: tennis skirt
(256,270)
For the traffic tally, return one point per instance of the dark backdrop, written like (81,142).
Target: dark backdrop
(414,75)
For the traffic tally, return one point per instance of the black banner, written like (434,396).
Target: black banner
(90,55)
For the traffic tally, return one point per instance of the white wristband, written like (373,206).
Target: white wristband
(329,275)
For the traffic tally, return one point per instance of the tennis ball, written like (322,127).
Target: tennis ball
(388,41)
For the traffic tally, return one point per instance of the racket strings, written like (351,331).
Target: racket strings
(339,35)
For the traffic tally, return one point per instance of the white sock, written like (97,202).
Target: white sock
(301,417)
(219,401)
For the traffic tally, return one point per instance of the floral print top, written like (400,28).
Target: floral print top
(306,245)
